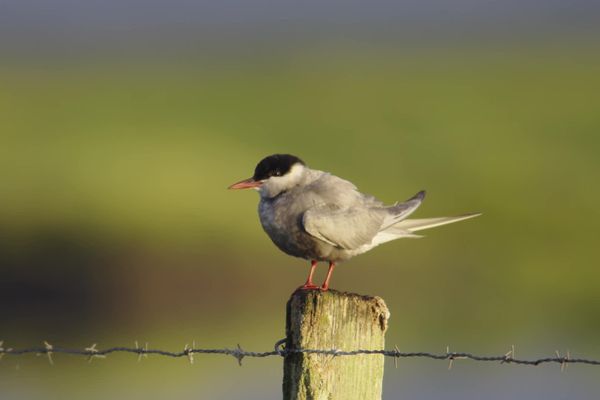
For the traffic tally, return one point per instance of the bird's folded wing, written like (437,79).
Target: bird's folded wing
(400,211)
(346,228)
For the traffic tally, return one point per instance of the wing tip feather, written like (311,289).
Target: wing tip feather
(419,196)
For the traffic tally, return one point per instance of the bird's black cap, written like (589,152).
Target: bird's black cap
(275,165)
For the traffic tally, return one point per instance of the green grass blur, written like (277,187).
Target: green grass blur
(117,225)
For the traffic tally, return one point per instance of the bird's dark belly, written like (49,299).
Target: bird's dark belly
(292,240)
(287,233)
(298,246)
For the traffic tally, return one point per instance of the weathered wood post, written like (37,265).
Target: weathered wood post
(334,320)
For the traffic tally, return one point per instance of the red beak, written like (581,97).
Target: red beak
(246,184)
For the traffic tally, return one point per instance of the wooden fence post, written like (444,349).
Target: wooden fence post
(334,320)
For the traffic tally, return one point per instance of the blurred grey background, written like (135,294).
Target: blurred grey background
(122,123)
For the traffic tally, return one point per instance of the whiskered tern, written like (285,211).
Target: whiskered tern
(318,216)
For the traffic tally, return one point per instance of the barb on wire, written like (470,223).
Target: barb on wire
(49,352)
(280,350)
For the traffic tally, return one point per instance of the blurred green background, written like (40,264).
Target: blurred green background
(116,225)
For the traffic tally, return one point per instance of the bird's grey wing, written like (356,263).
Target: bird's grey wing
(346,228)
(330,189)
(401,211)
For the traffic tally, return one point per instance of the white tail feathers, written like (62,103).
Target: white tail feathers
(407,227)
(414,225)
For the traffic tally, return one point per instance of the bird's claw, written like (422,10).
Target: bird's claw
(309,286)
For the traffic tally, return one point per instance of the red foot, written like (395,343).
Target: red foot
(310,286)
(324,288)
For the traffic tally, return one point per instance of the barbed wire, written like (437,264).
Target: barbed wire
(238,353)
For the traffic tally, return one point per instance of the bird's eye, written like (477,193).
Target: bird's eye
(277,173)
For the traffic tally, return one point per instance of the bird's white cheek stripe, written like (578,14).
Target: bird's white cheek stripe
(276,184)
(291,177)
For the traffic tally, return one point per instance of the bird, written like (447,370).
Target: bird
(318,216)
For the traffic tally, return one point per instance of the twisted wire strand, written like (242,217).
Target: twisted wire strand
(279,350)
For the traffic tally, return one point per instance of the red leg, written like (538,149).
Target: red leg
(329,273)
(309,283)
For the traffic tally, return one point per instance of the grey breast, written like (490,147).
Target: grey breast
(281,218)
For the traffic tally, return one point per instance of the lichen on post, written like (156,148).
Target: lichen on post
(334,320)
